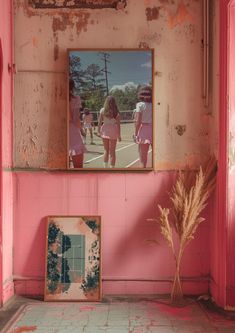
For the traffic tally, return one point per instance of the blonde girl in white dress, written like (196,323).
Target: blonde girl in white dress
(109,130)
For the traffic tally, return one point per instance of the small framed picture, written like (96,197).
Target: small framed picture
(110,109)
(73,258)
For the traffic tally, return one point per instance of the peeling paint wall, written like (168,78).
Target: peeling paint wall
(183,129)
(216,237)
(173,29)
(230,274)
(6,182)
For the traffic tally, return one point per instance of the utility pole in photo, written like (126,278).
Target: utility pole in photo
(105,58)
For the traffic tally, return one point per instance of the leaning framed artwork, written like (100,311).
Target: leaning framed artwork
(73,258)
(110,109)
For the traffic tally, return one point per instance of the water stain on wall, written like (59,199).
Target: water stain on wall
(180,16)
(55,27)
(65,20)
(62,22)
(177,14)
(152,13)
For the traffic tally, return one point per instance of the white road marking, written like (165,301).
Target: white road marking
(129,165)
(96,158)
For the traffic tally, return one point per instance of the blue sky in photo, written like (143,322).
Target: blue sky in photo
(124,66)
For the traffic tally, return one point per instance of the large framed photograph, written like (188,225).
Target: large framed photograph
(110,109)
(73,265)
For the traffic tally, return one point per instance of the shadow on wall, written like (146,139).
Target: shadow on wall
(127,254)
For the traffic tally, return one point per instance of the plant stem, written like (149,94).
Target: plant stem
(176,292)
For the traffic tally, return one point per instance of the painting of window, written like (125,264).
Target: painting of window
(73,259)
(110,109)
(78,4)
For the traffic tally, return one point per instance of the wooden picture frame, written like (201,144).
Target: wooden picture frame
(100,135)
(77,4)
(73,258)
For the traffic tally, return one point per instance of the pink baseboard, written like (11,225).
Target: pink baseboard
(36,287)
(29,288)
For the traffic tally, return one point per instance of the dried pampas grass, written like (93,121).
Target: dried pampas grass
(189,197)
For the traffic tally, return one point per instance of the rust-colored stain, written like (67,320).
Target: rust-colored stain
(25,329)
(143,45)
(35,41)
(62,22)
(182,14)
(56,52)
(152,13)
(92,4)
(67,20)
(82,22)
(180,129)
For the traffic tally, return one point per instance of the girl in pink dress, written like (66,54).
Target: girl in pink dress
(109,129)
(76,145)
(143,123)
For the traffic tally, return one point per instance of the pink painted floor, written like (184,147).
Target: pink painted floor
(117,316)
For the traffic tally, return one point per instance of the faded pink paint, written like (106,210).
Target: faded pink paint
(125,201)
(230,281)
(180,17)
(183,313)
(87,308)
(6,227)
(222,261)
(1,70)
(23,329)
(218,239)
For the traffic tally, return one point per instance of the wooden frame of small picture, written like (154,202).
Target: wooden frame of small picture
(73,258)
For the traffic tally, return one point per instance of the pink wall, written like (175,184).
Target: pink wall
(218,233)
(6,277)
(1,70)
(230,283)
(223,233)
(124,201)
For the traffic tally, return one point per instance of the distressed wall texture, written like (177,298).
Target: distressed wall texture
(231,172)
(173,29)
(184,134)
(6,177)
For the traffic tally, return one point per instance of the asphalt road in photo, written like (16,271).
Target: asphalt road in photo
(127,155)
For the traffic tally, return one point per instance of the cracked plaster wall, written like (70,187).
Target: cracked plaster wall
(172,28)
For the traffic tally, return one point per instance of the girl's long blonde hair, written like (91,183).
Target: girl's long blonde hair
(110,107)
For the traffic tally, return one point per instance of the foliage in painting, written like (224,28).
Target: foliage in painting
(93,225)
(91,86)
(91,281)
(73,258)
(57,267)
